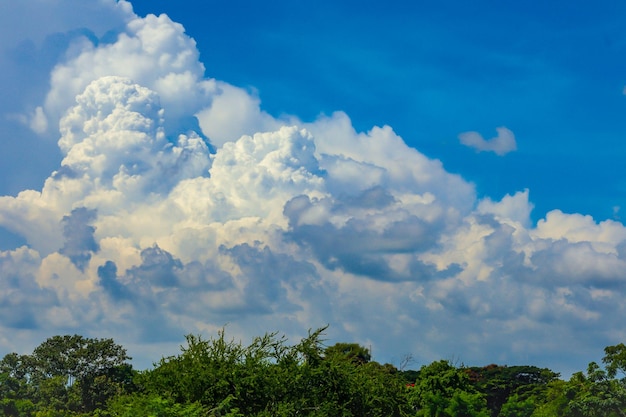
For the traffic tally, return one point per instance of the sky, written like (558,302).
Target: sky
(430,180)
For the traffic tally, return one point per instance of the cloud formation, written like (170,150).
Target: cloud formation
(79,243)
(36,36)
(502,144)
(174,211)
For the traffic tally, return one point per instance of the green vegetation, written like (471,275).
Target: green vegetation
(77,376)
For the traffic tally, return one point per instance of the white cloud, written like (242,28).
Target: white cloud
(35,36)
(144,234)
(39,122)
(515,208)
(152,51)
(500,145)
(232,114)
(577,228)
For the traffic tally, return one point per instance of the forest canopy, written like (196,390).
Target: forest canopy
(76,376)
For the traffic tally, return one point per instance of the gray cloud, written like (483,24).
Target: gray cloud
(362,245)
(20,295)
(158,267)
(500,145)
(269,276)
(79,240)
(107,274)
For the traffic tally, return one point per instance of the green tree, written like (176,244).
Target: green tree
(76,357)
(527,385)
(64,375)
(593,394)
(152,406)
(208,371)
(516,406)
(269,378)
(352,352)
(615,360)
(16,394)
(557,398)
(442,390)
(598,395)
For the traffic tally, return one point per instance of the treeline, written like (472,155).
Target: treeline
(77,376)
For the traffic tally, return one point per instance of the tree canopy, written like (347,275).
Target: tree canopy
(64,374)
(76,376)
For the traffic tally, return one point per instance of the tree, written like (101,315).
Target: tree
(556,403)
(70,373)
(442,390)
(598,395)
(518,407)
(615,360)
(526,384)
(593,394)
(76,357)
(15,391)
(153,405)
(351,352)
(269,378)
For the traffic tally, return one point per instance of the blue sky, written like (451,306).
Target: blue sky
(437,179)
(553,73)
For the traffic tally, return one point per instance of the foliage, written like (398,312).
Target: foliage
(152,405)
(65,375)
(444,390)
(515,406)
(615,360)
(593,394)
(271,378)
(351,352)
(517,386)
(217,377)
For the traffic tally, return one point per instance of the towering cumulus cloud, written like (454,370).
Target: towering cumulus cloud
(179,205)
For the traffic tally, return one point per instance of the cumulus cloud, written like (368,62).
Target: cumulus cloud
(152,51)
(36,36)
(234,113)
(31,51)
(502,144)
(180,205)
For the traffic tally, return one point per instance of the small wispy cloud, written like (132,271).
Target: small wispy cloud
(500,145)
